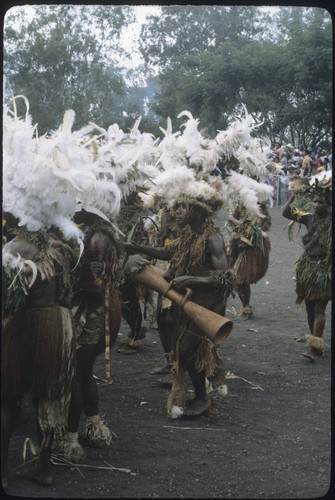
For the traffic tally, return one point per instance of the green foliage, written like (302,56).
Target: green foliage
(312,275)
(280,67)
(257,238)
(208,59)
(66,56)
(303,202)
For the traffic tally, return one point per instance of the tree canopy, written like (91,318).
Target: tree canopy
(284,78)
(67,56)
(208,59)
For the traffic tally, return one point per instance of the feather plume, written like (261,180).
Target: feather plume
(188,151)
(68,121)
(249,192)
(44,177)
(191,143)
(239,133)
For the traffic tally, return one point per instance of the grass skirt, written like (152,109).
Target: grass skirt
(38,353)
(252,264)
(313,280)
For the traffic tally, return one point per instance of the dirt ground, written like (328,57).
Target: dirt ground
(270,438)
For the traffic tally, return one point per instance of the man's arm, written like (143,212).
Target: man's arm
(287,211)
(162,253)
(289,214)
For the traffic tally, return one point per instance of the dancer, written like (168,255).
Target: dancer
(38,348)
(97,319)
(313,269)
(248,252)
(196,260)
(133,295)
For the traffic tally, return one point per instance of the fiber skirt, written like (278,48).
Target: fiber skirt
(313,279)
(38,351)
(251,264)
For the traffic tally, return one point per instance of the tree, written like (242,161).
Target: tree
(66,57)
(311,94)
(285,79)
(208,59)
(193,30)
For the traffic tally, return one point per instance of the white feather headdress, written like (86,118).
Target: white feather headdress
(188,165)
(47,178)
(128,158)
(249,192)
(44,178)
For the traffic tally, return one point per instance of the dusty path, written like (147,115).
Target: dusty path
(270,439)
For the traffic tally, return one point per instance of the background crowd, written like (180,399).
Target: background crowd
(290,163)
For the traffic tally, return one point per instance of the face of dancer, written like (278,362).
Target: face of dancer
(180,213)
(320,205)
(185,213)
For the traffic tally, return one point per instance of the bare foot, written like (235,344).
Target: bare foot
(140,335)
(127,349)
(196,407)
(130,346)
(43,478)
(244,316)
(245,313)
(162,369)
(313,354)
(166,381)
(309,355)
